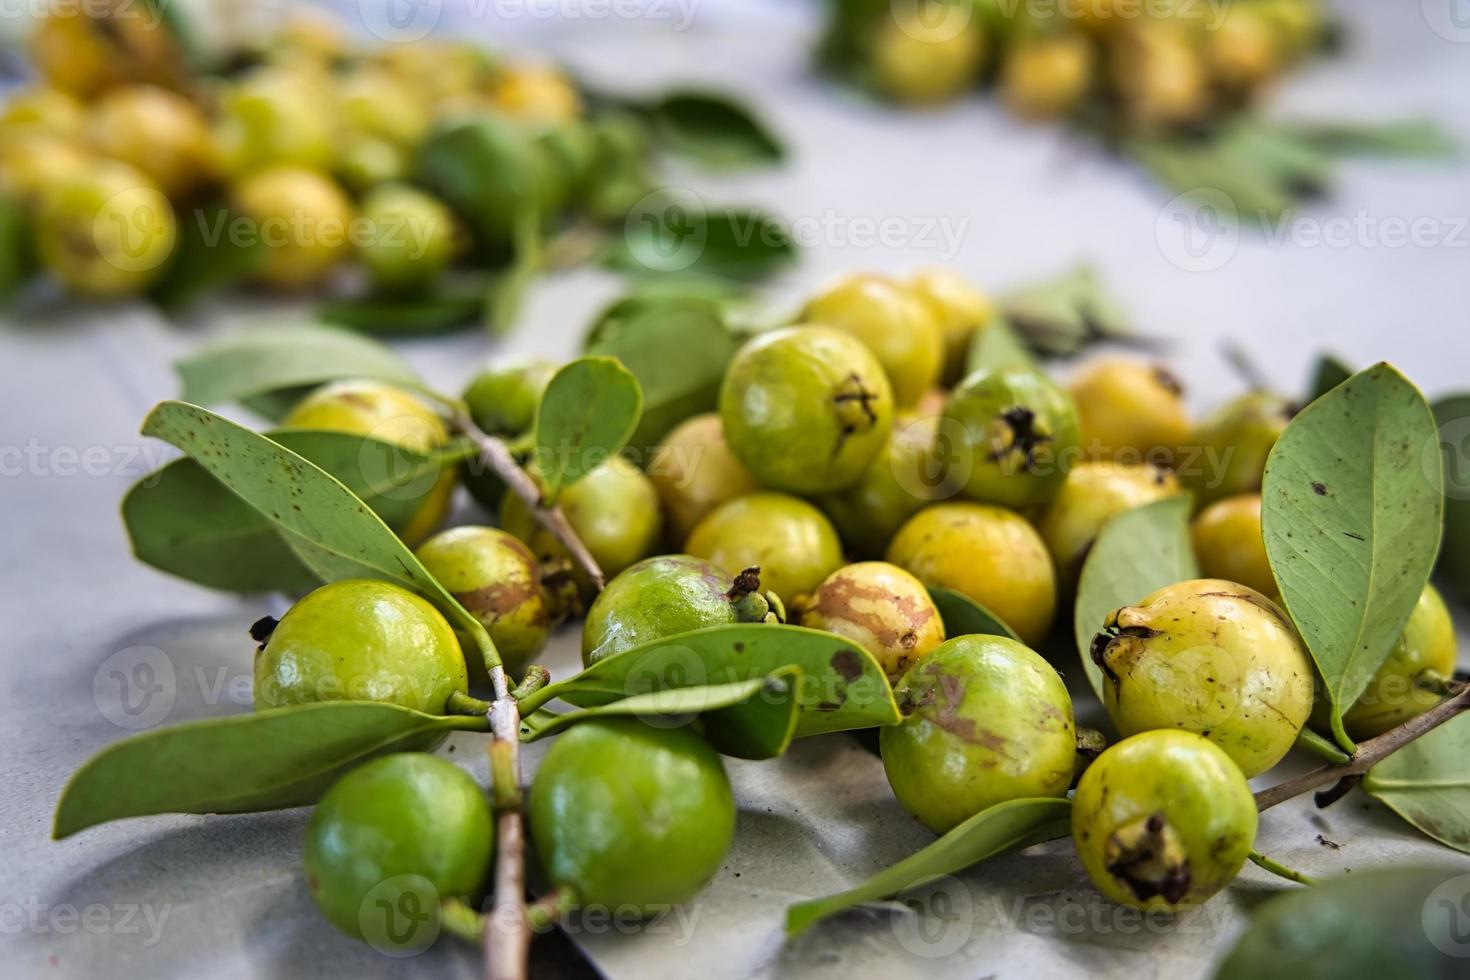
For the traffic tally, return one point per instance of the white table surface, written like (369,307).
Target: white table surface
(225,894)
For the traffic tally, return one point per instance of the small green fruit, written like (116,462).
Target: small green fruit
(660,597)
(806,409)
(882,609)
(496,578)
(390,841)
(503,398)
(628,816)
(359,640)
(790,541)
(908,474)
(1019,435)
(986,720)
(1163,820)
(410,237)
(1094,492)
(1210,657)
(1232,446)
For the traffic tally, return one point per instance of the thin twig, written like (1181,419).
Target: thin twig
(507,937)
(1368,754)
(1280,870)
(497,455)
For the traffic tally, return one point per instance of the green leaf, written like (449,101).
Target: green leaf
(713,129)
(587,414)
(668,236)
(507,289)
(1061,316)
(1009,826)
(1352,508)
(963,615)
(405,316)
(674,388)
(1427,782)
(1414,138)
(1198,168)
(183,521)
(997,346)
(1364,926)
(269,358)
(487,168)
(17,260)
(1327,373)
(1453,417)
(750,719)
(266,760)
(206,258)
(1137,552)
(841,686)
(330,530)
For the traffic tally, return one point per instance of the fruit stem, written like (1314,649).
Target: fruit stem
(507,935)
(536,678)
(461,921)
(460,703)
(551,908)
(1368,754)
(1280,870)
(497,455)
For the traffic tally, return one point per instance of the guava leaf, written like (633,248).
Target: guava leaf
(963,615)
(1352,511)
(264,359)
(1453,417)
(713,129)
(668,237)
(265,760)
(1137,552)
(17,259)
(329,529)
(1427,782)
(206,258)
(183,521)
(1327,373)
(752,719)
(1364,926)
(840,687)
(1008,826)
(997,346)
(589,411)
(406,316)
(674,388)
(1062,315)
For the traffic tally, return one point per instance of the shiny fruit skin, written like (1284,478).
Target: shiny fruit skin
(789,540)
(806,409)
(1229,544)
(372,408)
(105,231)
(1210,657)
(655,598)
(1163,820)
(626,816)
(406,823)
(1130,411)
(614,510)
(360,640)
(1046,77)
(1232,445)
(892,322)
(910,473)
(1094,492)
(960,309)
(496,578)
(986,720)
(302,218)
(695,472)
(503,398)
(882,609)
(988,553)
(1019,433)
(1426,653)
(410,237)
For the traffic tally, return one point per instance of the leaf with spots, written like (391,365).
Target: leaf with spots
(1137,552)
(265,760)
(1009,826)
(1352,511)
(963,615)
(840,686)
(750,719)
(588,414)
(334,534)
(1427,782)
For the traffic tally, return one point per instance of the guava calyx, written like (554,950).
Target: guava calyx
(1148,856)
(262,628)
(1102,645)
(1019,424)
